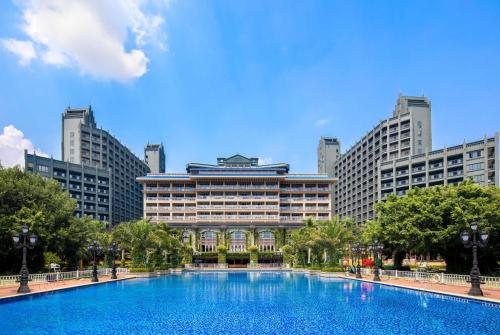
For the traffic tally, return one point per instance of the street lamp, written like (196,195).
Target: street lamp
(112,249)
(475,275)
(24,242)
(358,249)
(94,248)
(376,248)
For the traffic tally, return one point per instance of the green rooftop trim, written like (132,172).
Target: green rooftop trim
(237,160)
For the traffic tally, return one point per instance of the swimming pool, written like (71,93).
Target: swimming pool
(246,303)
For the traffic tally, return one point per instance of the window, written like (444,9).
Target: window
(475,154)
(266,241)
(43,168)
(71,151)
(71,134)
(208,241)
(419,142)
(478,179)
(475,166)
(238,241)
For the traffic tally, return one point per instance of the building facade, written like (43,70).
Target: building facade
(328,154)
(84,143)
(448,166)
(406,133)
(89,186)
(154,157)
(236,202)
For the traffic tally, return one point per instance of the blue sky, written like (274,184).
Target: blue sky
(259,78)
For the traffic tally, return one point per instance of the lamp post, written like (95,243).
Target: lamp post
(471,240)
(358,248)
(376,248)
(24,242)
(112,249)
(94,248)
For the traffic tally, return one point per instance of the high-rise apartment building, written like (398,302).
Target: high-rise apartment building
(154,157)
(406,133)
(328,154)
(84,143)
(448,166)
(236,199)
(397,155)
(89,186)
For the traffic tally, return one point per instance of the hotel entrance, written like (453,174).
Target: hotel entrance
(238,260)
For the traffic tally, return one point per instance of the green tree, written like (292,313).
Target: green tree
(429,221)
(28,199)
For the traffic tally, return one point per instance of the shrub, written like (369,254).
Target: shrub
(221,249)
(164,266)
(333,269)
(238,255)
(253,249)
(313,268)
(140,270)
(51,257)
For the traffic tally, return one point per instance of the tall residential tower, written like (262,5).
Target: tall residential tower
(84,143)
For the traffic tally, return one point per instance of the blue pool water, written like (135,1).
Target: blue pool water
(246,303)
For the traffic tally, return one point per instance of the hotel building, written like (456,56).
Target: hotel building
(396,156)
(236,202)
(448,166)
(89,186)
(406,133)
(84,143)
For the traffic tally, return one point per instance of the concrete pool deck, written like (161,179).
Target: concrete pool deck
(490,294)
(10,292)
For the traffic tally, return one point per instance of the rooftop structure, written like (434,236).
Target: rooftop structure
(154,157)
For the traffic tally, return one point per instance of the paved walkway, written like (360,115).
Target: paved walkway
(490,294)
(11,290)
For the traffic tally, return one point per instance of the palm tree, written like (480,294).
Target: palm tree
(333,236)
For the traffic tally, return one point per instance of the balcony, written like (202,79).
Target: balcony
(455,173)
(455,162)
(418,169)
(436,176)
(435,166)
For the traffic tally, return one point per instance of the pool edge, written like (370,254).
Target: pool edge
(21,296)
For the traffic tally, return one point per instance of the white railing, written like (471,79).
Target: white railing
(439,278)
(57,276)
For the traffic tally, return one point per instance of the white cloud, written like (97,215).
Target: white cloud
(321,122)
(102,38)
(12,146)
(23,49)
(265,160)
